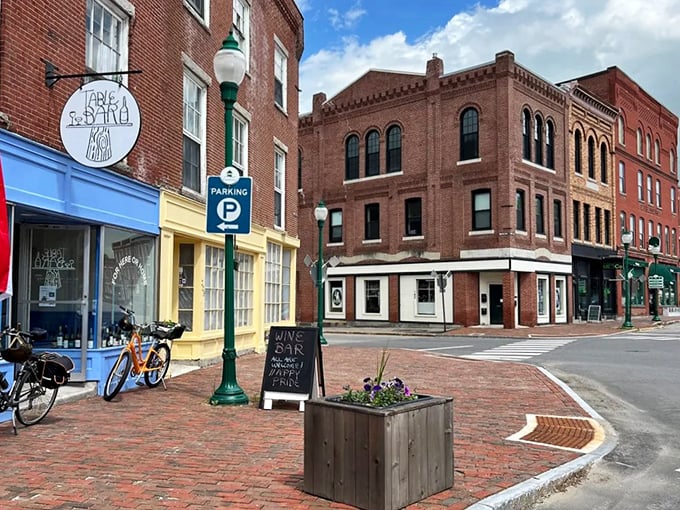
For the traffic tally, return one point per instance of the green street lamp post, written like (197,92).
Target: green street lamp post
(626,239)
(229,64)
(320,213)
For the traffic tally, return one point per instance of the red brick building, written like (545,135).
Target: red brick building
(463,174)
(645,160)
(132,232)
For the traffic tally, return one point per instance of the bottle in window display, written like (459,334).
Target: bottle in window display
(90,339)
(60,338)
(76,340)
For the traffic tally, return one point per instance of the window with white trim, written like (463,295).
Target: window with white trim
(242,28)
(240,135)
(200,9)
(673,202)
(193,152)
(280,76)
(279,188)
(106,38)
(213,289)
(639,141)
(658,193)
(185,298)
(244,290)
(621,132)
(277,283)
(657,158)
(622,178)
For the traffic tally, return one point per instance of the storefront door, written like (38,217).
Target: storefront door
(53,289)
(496,303)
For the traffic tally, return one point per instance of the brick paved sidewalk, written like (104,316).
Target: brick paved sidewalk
(151,448)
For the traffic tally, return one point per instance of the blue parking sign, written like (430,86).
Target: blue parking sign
(229,206)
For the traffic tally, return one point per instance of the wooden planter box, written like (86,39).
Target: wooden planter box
(378,458)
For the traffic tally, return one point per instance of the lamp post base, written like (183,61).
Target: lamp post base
(627,325)
(322,340)
(232,395)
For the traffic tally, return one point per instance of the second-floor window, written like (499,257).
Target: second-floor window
(577,219)
(194,134)
(279,187)
(335,222)
(586,222)
(199,7)
(372,222)
(603,163)
(481,209)
(413,214)
(549,145)
(106,38)
(673,202)
(557,218)
(622,178)
(469,134)
(640,186)
(372,154)
(540,215)
(538,140)
(519,210)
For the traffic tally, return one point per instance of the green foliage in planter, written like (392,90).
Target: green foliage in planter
(379,393)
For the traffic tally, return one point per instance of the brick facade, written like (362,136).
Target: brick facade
(428,110)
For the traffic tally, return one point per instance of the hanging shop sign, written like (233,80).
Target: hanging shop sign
(100,123)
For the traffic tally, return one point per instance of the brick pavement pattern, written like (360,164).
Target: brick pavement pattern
(151,448)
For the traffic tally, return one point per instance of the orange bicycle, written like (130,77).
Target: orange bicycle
(154,366)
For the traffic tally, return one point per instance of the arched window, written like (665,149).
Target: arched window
(673,202)
(591,157)
(621,132)
(577,152)
(549,145)
(394,149)
(648,147)
(538,140)
(469,134)
(603,162)
(372,153)
(526,135)
(639,141)
(672,161)
(632,229)
(657,159)
(352,158)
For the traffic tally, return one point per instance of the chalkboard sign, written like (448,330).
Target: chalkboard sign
(290,368)
(594,313)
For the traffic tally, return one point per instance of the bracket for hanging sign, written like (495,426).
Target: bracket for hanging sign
(51,76)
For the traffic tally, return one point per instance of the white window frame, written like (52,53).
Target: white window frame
(202,17)
(622,178)
(560,299)
(281,72)
(673,202)
(280,184)
(639,141)
(543,299)
(192,79)
(649,189)
(658,193)
(240,130)
(241,23)
(335,289)
(622,134)
(244,290)
(277,280)
(213,289)
(121,11)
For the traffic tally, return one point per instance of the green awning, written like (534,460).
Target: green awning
(668,272)
(637,263)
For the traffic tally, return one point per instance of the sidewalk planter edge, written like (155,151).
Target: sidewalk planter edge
(378,458)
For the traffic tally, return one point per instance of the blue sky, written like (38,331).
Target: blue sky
(557,39)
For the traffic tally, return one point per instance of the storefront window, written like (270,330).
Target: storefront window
(543,301)
(426,296)
(129,275)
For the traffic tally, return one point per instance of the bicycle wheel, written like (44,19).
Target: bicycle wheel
(117,376)
(33,400)
(159,360)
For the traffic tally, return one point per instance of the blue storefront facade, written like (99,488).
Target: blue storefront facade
(84,242)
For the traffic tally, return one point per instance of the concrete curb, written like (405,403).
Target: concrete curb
(526,494)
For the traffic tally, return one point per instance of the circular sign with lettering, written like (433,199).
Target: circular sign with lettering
(100,123)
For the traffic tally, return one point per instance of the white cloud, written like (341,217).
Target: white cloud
(557,39)
(347,19)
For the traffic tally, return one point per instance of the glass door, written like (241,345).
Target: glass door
(55,286)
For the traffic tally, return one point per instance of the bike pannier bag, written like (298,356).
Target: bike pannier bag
(54,369)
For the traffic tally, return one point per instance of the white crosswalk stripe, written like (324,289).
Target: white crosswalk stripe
(653,335)
(519,351)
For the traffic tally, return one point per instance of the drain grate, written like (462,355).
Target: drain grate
(577,434)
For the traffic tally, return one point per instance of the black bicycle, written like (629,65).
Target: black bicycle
(37,379)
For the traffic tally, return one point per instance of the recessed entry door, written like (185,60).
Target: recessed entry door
(496,303)
(53,293)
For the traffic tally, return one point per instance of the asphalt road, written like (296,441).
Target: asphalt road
(631,380)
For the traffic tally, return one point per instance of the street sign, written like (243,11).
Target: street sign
(655,282)
(229,206)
